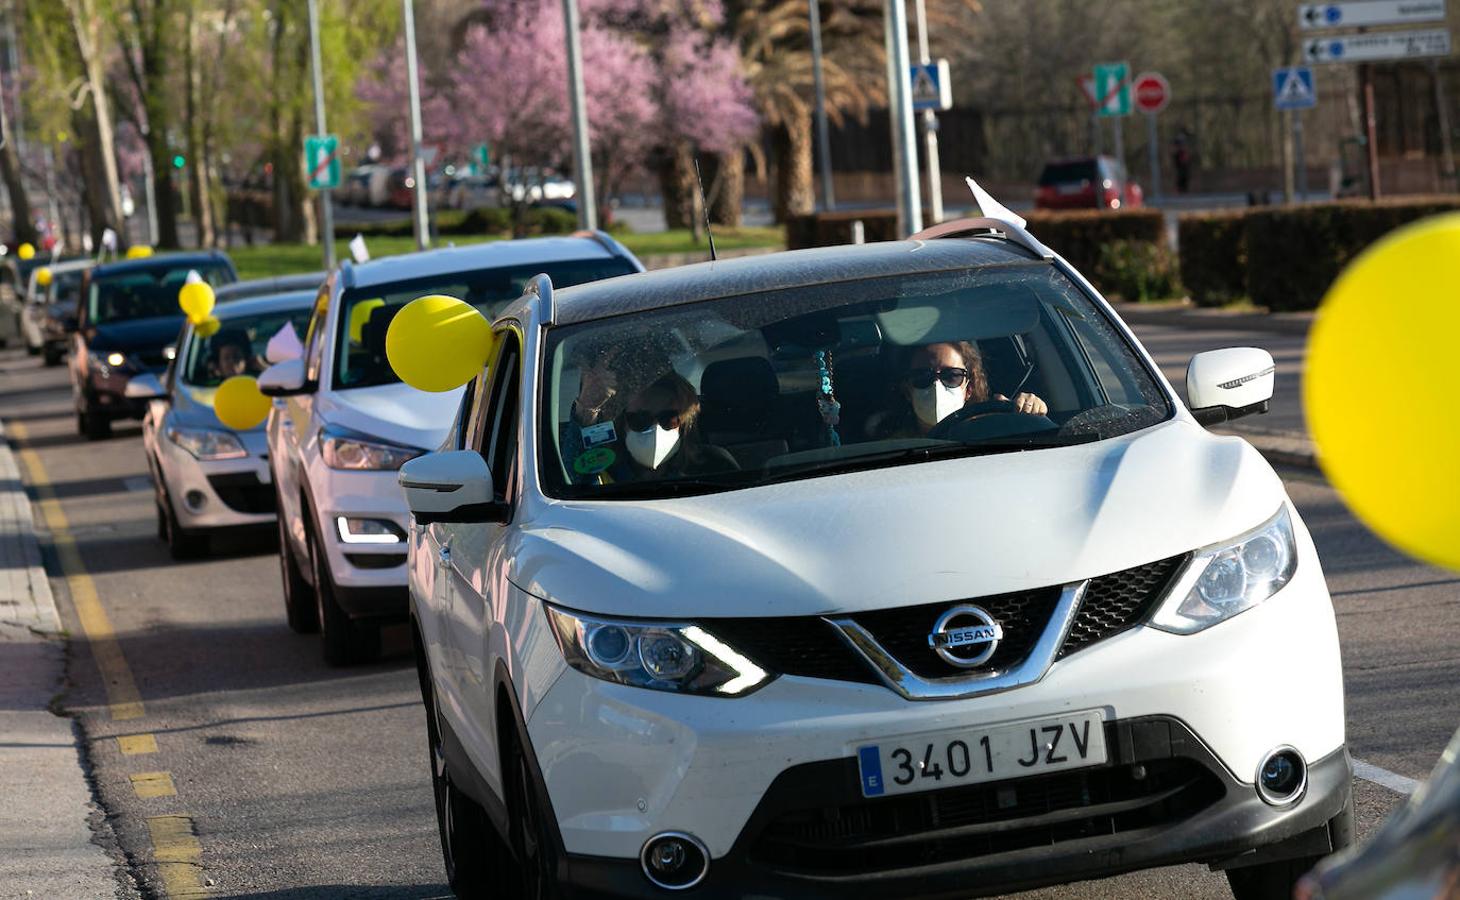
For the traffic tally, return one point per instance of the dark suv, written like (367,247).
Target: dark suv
(127,318)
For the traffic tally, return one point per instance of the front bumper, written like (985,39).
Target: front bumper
(222,493)
(369,578)
(813,836)
(104,394)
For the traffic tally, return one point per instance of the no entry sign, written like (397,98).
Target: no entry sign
(1152,92)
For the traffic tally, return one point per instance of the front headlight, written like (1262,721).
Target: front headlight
(1225,580)
(346,450)
(679,657)
(108,361)
(205,443)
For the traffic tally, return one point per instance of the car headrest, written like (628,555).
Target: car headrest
(738,384)
(373,334)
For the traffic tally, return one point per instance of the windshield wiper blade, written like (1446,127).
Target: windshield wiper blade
(659,490)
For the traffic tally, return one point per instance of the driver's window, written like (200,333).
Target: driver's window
(495,429)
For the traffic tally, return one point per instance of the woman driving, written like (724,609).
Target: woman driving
(937,380)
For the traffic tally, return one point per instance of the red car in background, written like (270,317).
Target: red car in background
(1087,182)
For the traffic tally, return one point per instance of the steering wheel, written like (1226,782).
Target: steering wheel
(972,410)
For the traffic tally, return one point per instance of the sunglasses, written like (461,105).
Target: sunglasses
(950,376)
(643,420)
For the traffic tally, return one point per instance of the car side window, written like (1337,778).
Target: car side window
(496,430)
(314,337)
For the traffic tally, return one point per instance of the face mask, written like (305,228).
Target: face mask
(651,448)
(935,402)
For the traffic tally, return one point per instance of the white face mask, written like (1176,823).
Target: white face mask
(935,402)
(651,448)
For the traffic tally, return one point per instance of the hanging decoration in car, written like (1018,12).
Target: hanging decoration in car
(826,402)
(438,343)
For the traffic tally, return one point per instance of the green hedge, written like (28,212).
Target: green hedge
(1213,256)
(829,229)
(1138,271)
(1080,236)
(481,222)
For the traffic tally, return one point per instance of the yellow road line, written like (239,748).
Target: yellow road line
(116,675)
(136,744)
(153,784)
(178,856)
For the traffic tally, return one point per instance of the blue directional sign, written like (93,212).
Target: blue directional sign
(932,87)
(1292,88)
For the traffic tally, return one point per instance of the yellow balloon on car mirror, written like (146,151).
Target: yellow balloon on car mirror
(359,315)
(1380,381)
(438,343)
(26,251)
(139,251)
(196,299)
(43,276)
(207,328)
(238,403)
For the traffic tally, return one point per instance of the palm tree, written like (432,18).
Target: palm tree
(775,45)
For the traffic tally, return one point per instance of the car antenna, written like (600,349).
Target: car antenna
(705,207)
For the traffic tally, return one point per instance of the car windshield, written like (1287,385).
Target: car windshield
(143,293)
(365,313)
(1068,172)
(239,346)
(65,286)
(802,382)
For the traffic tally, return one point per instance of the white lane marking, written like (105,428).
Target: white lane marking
(137,483)
(1395,782)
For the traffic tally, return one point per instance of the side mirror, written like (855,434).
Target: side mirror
(144,387)
(453,486)
(283,379)
(1222,385)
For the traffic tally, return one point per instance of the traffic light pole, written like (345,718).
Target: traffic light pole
(326,203)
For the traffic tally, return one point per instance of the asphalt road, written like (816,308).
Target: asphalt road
(303,781)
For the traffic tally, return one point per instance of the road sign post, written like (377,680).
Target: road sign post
(326,201)
(899,94)
(1152,93)
(1293,92)
(1112,88)
(421,215)
(931,91)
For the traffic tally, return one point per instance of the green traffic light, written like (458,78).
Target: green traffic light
(179,161)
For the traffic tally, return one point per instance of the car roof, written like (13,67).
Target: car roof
(776,271)
(255,287)
(271,303)
(160,261)
(522,251)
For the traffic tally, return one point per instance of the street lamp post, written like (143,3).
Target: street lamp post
(899,102)
(582,160)
(418,163)
(326,203)
(823,139)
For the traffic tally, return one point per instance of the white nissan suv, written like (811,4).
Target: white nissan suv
(889,570)
(345,423)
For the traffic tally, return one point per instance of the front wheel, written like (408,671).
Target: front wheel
(1275,880)
(299,601)
(93,426)
(345,640)
(181,544)
(531,840)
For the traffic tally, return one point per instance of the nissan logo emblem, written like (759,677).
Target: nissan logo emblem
(965,636)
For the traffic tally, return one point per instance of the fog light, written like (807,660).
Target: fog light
(1282,777)
(674,860)
(368,531)
(195,500)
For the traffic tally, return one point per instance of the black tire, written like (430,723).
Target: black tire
(532,842)
(53,357)
(474,854)
(161,522)
(345,641)
(299,599)
(93,427)
(181,543)
(1275,880)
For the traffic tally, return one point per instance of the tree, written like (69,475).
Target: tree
(23,222)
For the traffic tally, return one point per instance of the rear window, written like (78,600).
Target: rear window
(1068,172)
(145,293)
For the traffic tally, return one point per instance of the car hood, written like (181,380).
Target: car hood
(192,407)
(396,413)
(924,533)
(133,335)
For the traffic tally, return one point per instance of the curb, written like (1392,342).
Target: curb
(1282,450)
(1214,319)
(26,600)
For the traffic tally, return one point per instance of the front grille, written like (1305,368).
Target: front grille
(904,632)
(243,492)
(862,836)
(152,360)
(810,647)
(1119,601)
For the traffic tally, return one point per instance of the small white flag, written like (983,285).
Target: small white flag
(193,277)
(109,239)
(358,252)
(284,345)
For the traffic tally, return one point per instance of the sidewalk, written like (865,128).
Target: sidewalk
(46,847)
(1174,332)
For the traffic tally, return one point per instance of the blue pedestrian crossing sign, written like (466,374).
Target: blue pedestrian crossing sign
(932,88)
(1292,88)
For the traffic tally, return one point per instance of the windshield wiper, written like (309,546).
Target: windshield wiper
(949,450)
(657,490)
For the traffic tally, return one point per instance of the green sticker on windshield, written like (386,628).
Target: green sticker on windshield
(591,462)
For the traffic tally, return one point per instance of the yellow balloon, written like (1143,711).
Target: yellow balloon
(238,403)
(438,343)
(139,251)
(207,328)
(43,276)
(26,251)
(196,299)
(1380,383)
(359,315)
